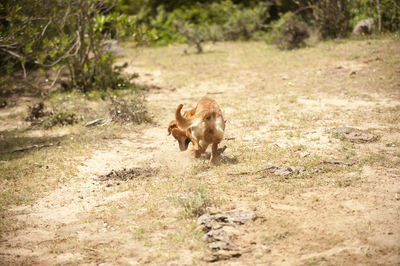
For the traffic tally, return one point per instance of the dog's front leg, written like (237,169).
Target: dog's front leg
(195,142)
(214,148)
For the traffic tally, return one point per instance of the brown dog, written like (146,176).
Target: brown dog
(179,134)
(203,125)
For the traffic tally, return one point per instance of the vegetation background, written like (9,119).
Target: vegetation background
(88,175)
(66,36)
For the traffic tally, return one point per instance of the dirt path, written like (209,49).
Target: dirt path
(279,113)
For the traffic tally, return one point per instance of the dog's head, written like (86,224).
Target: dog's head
(179,135)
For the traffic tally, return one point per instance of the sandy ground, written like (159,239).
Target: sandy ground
(340,216)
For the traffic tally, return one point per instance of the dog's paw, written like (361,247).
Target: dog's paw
(214,161)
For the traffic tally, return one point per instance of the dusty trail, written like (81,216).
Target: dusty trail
(58,217)
(339,215)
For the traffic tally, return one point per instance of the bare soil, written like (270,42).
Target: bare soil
(124,205)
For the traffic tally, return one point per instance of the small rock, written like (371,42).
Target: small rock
(391,144)
(286,170)
(220,232)
(222,255)
(336,161)
(365,26)
(210,258)
(100,121)
(217,235)
(353,134)
(212,221)
(219,245)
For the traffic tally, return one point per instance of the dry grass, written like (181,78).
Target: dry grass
(279,107)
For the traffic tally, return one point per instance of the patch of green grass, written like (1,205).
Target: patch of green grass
(189,233)
(194,203)
(277,237)
(140,234)
(354,56)
(320,261)
(293,134)
(199,167)
(376,159)
(55,249)
(61,118)
(344,182)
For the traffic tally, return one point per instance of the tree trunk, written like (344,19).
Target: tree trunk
(378,8)
(395,21)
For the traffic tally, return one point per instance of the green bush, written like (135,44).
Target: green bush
(292,36)
(68,42)
(133,111)
(61,118)
(214,21)
(363,9)
(243,23)
(194,204)
(195,34)
(277,26)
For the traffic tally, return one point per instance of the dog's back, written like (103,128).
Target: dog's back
(206,126)
(205,110)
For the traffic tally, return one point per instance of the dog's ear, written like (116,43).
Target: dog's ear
(173,124)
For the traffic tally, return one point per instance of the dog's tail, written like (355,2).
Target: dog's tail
(184,123)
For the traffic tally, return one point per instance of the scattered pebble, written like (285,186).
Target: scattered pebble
(353,134)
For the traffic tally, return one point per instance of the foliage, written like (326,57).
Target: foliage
(243,23)
(293,35)
(362,9)
(37,115)
(36,112)
(65,36)
(194,203)
(61,118)
(214,21)
(334,18)
(277,26)
(133,111)
(195,34)
(331,17)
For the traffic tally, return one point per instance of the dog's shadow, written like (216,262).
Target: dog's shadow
(223,159)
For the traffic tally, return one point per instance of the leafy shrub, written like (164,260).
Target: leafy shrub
(36,112)
(277,26)
(195,34)
(67,38)
(61,118)
(103,75)
(243,23)
(293,35)
(332,18)
(194,204)
(37,115)
(214,21)
(133,111)
(363,9)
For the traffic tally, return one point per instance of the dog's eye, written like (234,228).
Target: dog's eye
(208,117)
(187,141)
